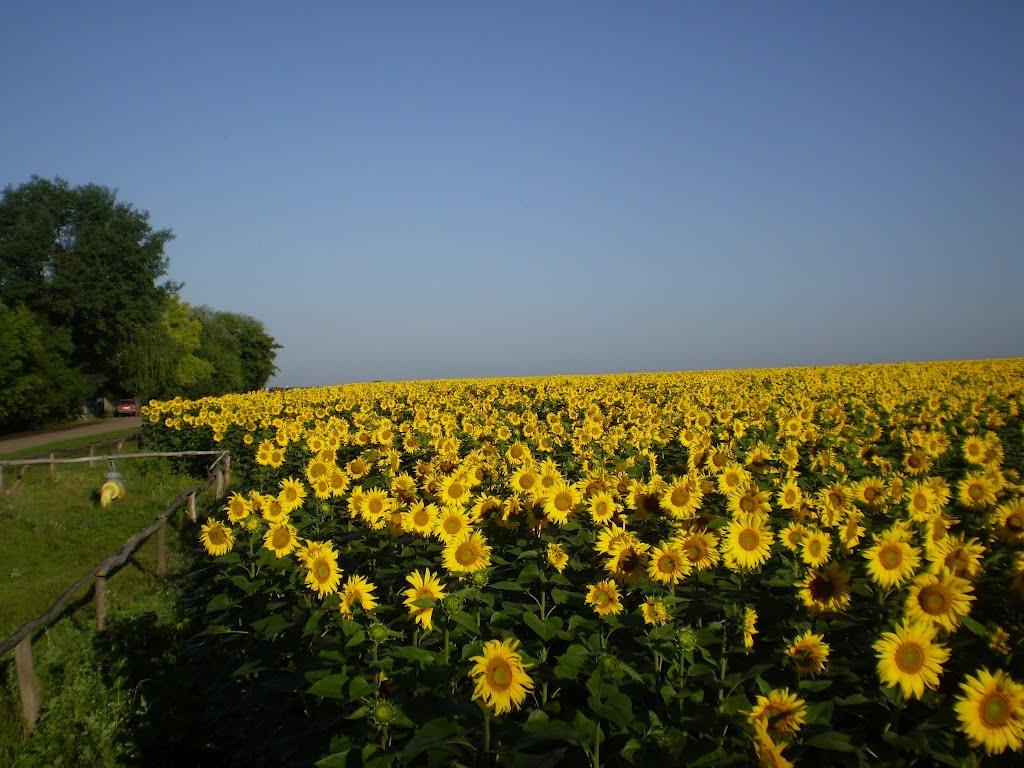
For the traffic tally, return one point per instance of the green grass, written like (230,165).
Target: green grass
(63,445)
(99,693)
(53,530)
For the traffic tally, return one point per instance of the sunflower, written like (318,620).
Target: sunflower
(654,611)
(357,590)
(974,450)
(790,496)
(892,560)
(611,538)
(749,627)
(423,586)
(732,477)
(291,495)
(1008,519)
(500,675)
(792,536)
(628,561)
(908,658)
(870,491)
(748,540)
(921,500)
(376,507)
(271,509)
(263,452)
(604,597)
(560,501)
(238,508)
(815,548)
(453,491)
(468,553)
(323,574)
(851,531)
(940,598)
(217,538)
(557,556)
(991,711)
(826,589)
(420,519)
(976,491)
(682,498)
(318,468)
(700,547)
(668,564)
(603,507)
(749,500)
(780,713)
(451,523)
(834,502)
(809,653)
(961,556)
(281,538)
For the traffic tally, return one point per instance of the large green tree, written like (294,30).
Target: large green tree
(80,259)
(36,384)
(240,352)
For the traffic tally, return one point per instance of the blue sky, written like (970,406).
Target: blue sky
(453,189)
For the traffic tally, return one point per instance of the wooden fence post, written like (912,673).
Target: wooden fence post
(28,684)
(192,506)
(1,478)
(120,444)
(218,484)
(92,452)
(53,467)
(227,470)
(161,550)
(100,590)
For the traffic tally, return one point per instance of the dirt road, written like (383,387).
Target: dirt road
(23,442)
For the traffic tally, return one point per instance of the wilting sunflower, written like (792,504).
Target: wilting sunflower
(809,653)
(419,519)
(700,547)
(826,589)
(468,553)
(892,560)
(910,659)
(748,540)
(604,597)
(238,508)
(281,538)
(668,564)
(292,494)
(815,548)
(323,574)
(654,611)
(425,585)
(780,713)
(560,501)
(501,679)
(217,538)
(357,590)
(557,556)
(991,711)
(939,598)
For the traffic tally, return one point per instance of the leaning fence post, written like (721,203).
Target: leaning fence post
(218,477)
(161,550)
(100,590)
(192,506)
(227,470)
(28,684)
(53,467)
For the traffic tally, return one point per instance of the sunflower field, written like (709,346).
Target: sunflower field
(762,567)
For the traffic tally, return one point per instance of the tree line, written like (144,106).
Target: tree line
(85,311)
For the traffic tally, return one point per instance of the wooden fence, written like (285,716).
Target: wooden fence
(218,476)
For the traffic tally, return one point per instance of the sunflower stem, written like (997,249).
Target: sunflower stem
(446,646)
(487,732)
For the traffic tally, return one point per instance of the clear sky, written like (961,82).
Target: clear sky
(450,189)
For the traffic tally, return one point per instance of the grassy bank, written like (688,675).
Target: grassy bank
(68,444)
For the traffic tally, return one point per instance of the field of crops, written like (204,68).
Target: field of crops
(798,566)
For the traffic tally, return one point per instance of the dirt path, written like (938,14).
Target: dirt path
(23,442)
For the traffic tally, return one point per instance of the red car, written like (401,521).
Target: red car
(128,406)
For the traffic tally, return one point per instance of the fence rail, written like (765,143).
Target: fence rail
(218,476)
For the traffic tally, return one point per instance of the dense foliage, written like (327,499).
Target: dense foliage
(81,271)
(792,566)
